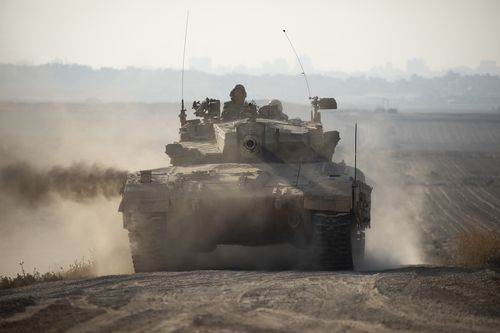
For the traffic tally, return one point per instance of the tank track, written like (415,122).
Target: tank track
(148,243)
(152,246)
(332,241)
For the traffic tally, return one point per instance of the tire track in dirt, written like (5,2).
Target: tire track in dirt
(411,299)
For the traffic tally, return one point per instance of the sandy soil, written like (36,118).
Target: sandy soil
(432,299)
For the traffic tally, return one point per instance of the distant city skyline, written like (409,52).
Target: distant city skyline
(345,36)
(416,66)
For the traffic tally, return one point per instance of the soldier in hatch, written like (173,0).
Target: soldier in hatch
(273,110)
(237,107)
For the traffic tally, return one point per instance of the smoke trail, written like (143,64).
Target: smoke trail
(79,182)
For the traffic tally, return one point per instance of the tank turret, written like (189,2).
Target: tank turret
(253,139)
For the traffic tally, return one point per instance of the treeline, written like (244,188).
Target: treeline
(64,82)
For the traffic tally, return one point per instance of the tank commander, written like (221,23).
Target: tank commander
(273,110)
(238,107)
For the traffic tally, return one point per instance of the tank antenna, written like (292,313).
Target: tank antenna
(355,150)
(182,115)
(300,63)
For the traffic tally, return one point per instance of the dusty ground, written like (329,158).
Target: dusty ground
(429,299)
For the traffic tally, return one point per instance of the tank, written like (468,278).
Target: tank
(254,181)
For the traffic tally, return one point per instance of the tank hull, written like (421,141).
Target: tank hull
(199,207)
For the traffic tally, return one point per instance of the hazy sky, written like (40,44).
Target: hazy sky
(336,35)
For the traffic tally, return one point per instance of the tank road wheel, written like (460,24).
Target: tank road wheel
(332,241)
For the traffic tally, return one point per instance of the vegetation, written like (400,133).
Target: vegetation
(479,248)
(80,269)
(27,82)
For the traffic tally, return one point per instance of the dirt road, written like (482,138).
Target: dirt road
(411,299)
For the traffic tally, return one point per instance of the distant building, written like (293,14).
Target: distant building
(388,71)
(417,66)
(201,64)
(277,66)
(488,66)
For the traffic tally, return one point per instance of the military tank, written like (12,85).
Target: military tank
(257,180)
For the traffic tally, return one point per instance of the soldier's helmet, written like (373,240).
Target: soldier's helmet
(239,87)
(276,103)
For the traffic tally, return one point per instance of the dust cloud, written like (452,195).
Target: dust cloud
(78,182)
(52,214)
(61,170)
(395,238)
(398,209)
